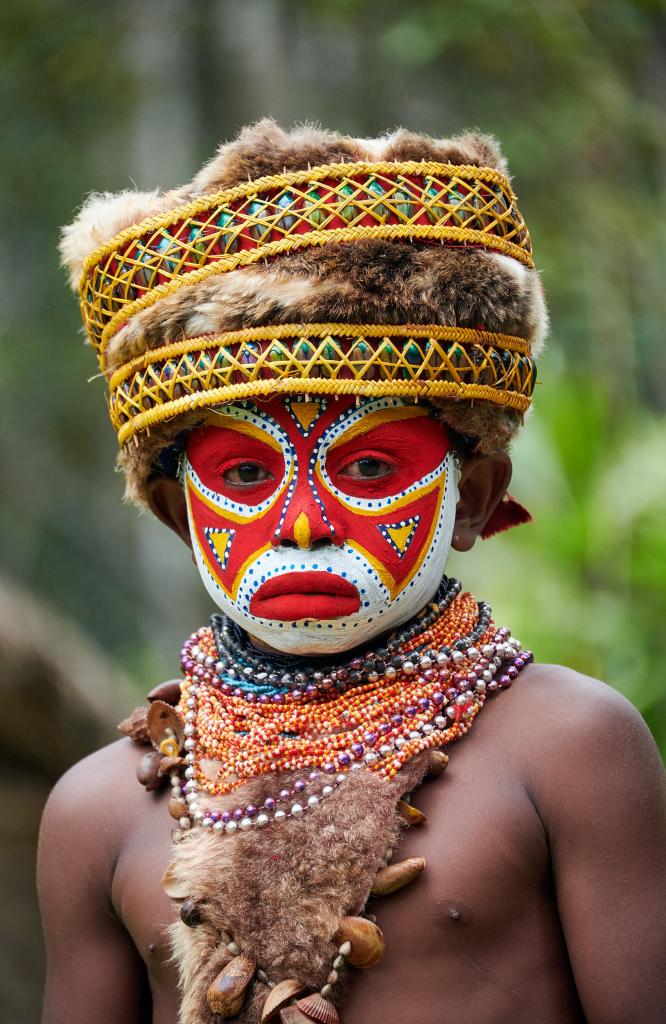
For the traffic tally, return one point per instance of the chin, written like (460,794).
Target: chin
(330,637)
(305,645)
(324,637)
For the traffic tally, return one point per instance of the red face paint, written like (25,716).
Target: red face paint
(285,497)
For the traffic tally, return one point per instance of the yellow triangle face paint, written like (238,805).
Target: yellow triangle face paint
(401,535)
(220,541)
(306,413)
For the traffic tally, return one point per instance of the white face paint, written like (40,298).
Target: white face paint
(317,526)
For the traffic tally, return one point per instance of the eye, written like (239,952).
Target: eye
(246,474)
(368,468)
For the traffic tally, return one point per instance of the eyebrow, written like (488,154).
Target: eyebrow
(378,419)
(252,430)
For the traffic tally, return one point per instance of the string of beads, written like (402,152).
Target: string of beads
(422,690)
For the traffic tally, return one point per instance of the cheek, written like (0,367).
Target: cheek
(226,545)
(397,541)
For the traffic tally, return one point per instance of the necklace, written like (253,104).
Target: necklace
(244,715)
(253,716)
(243,671)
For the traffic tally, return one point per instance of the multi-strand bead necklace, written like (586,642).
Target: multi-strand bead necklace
(254,715)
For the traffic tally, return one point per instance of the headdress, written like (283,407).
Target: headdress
(312,263)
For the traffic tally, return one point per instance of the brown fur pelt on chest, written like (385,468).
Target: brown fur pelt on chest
(281,892)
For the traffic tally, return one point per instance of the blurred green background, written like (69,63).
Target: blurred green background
(106,96)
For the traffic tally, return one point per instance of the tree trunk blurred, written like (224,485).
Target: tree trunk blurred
(61,699)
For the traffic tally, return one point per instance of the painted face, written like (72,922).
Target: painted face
(318,525)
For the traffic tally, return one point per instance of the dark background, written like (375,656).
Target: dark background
(138,94)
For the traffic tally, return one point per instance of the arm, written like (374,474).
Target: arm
(94,973)
(599,790)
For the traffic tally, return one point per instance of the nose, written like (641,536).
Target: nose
(302,530)
(306,525)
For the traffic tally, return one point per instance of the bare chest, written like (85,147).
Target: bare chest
(483,895)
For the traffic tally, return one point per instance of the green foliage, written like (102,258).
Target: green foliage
(584,584)
(99,96)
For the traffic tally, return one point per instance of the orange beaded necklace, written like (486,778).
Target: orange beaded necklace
(426,697)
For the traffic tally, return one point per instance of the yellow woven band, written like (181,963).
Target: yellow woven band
(429,362)
(277,214)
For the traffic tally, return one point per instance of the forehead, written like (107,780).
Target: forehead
(295,422)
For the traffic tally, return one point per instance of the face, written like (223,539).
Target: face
(318,525)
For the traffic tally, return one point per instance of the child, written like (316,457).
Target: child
(318,353)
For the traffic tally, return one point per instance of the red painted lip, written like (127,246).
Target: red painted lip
(305,595)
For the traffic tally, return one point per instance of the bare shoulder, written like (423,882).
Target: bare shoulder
(582,749)
(89,779)
(91,807)
(562,709)
(104,784)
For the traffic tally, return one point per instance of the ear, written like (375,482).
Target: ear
(483,484)
(166,497)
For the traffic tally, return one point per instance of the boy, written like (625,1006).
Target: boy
(318,353)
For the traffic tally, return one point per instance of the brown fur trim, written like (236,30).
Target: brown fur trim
(265,148)
(282,892)
(469,148)
(102,216)
(244,298)
(492,427)
(360,282)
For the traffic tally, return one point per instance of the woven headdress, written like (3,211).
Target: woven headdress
(312,263)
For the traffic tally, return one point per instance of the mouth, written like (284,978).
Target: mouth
(305,595)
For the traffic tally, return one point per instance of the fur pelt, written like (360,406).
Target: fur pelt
(359,282)
(265,148)
(282,892)
(103,215)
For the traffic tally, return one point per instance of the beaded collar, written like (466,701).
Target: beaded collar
(254,714)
